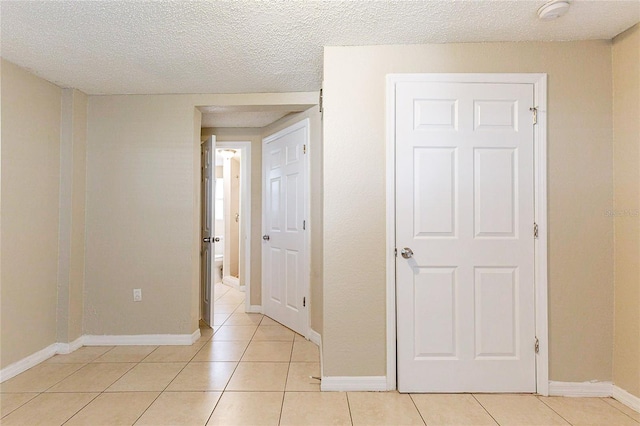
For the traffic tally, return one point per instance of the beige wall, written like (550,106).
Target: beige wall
(143,209)
(30,219)
(626,167)
(580,190)
(315,216)
(73,145)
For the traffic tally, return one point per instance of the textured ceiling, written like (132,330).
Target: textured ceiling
(117,47)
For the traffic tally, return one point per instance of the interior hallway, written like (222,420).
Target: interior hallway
(250,370)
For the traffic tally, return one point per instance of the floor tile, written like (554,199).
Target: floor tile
(114,409)
(235,332)
(173,353)
(247,408)
(126,354)
(48,409)
(305,351)
(451,409)
(206,332)
(180,408)
(588,411)
(80,356)
(268,321)
(203,376)
(240,318)
(222,351)
(225,308)
(219,319)
(151,376)
(93,377)
(519,410)
(39,378)
(268,351)
(315,408)
(627,410)
(299,378)
(382,408)
(259,376)
(273,333)
(11,401)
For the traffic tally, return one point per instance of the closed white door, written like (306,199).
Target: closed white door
(207,231)
(465,209)
(284,251)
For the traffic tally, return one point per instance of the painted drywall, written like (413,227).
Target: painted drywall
(579,189)
(231,208)
(30,202)
(315,213)
(73,143)
(626,208)
(143,209)
(240,134)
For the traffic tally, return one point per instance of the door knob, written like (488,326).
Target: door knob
(206,240)
(265,237)
(406,253)
(216,240)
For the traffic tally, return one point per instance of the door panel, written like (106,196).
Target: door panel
(284,252)
(464,205)
(207,231)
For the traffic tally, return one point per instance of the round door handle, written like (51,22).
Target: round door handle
(406,253)
(206,240)
(216,240)
(265,237)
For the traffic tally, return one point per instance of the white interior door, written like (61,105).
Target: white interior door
(284,250)
(465,207)
(208,229)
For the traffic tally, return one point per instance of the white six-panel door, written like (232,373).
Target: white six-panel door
(284,251)
(207,229)
(465,208)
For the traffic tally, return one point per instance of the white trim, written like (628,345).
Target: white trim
(233,282)
(253,309)
(24,364)
(314,337)
(539,82)
(245,210)
(67,348)
(354,383)
(305,123)
(580,389)
(626,398)
(141,339)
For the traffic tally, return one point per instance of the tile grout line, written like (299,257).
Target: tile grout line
(484,408)
(349,408)
(623,412)
(286,379)
(551,408)
(417,409)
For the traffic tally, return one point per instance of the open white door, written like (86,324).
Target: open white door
(284,251)
(465,237)
(208,231)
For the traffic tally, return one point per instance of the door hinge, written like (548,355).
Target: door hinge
(304,149)
(534,110)
(320,100)
(537,346)
(304,302)
(304,225)
(395,252)
(535,230)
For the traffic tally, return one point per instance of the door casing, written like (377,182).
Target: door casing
(539,82)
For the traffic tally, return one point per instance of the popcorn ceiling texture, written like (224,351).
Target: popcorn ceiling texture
(127,47)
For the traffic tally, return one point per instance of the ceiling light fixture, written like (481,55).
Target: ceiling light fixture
(553,9)
(227,153)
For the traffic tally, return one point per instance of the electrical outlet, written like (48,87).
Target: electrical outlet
(137,295)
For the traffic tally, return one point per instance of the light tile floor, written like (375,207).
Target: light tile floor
(252,371)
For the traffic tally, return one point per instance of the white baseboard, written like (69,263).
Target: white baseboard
(254,309)
(626,398)
(67,348)
(232,282)
(580,389)
(315,337)
(24,364)
(141,339)
(354,383)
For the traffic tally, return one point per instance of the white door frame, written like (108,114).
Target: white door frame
(306,124)
(539,82)
(245,209)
